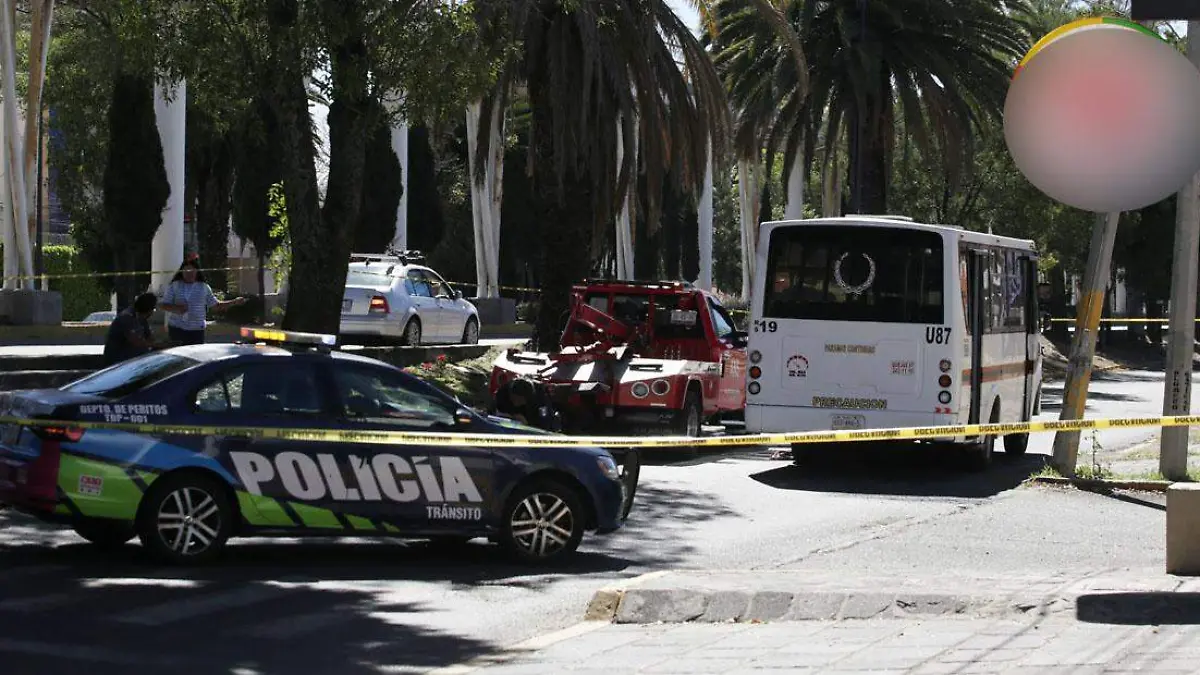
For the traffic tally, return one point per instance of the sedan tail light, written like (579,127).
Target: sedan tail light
(379,305)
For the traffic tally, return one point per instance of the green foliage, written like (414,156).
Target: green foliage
(135,179)
(80,295)
(258,169)
(381,193)
(281,256)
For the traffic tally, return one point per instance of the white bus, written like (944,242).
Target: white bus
(875,322)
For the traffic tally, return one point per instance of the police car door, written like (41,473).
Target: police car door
(421,486)
(288,483)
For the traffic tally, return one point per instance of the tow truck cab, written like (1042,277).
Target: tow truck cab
(638,355)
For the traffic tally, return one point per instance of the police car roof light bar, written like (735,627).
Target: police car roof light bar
(287,337)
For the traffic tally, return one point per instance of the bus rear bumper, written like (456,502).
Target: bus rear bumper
(782,419)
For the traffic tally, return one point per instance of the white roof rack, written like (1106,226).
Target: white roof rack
(872,215)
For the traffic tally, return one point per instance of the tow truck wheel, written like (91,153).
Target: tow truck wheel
(107,534)
(543,522)
(688,420)
(185,518)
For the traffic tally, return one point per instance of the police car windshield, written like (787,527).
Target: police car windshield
(131,376)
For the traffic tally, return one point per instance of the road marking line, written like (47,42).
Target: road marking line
(84,653)
(178,610)
(514,651)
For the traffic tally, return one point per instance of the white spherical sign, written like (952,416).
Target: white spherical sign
(1104,117)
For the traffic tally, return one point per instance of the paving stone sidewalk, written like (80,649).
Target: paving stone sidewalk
(941,645)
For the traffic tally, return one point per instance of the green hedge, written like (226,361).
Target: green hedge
(80,295)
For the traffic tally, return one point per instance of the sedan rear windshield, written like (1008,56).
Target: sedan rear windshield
(131,376)
(376,275)
(849,273)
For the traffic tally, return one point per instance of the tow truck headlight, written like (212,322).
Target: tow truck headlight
(609,468)
(640,390)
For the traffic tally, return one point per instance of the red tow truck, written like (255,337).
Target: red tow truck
(638,357)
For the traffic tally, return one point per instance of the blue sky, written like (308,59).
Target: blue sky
(684,9)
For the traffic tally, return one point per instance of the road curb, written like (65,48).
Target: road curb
(1100,485)
(659,605)
(606,602)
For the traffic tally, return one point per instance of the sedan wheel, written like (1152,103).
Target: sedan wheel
(471,332)
(412,333)
(544,522)
(185,519)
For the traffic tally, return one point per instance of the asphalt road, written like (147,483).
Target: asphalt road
(369,607)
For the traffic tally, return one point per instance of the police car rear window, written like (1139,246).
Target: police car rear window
(131,376)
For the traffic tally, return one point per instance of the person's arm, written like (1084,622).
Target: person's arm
(221,305)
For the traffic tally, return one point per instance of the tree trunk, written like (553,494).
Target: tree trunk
(321,236)
(262,288)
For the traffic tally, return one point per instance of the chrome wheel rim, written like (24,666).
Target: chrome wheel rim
(189,521)
(542,524)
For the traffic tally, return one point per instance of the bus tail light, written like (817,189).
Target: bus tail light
(754,388)
(944,397)
(944,381)
(755,372)
(755,356)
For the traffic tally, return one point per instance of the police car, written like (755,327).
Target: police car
(184,495)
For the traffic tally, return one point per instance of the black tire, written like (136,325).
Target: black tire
(191,499)
(411,336)
(534,508)
(106,534)
(471,337)
(980,455)
(1016,444)
(689,420)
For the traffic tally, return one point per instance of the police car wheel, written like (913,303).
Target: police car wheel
(185,519)
(543,521)
(105,533)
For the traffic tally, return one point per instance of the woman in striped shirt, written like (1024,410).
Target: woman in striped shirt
(188,298)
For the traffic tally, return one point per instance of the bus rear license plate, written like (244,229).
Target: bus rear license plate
(849,422)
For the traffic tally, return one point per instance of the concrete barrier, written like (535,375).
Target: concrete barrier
(1183,529)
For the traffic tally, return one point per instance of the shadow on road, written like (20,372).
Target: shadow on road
(658,532)
(1057,393)
(1139,609)
(900,469)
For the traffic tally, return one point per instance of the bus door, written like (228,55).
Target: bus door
(976,266)
(1033,344)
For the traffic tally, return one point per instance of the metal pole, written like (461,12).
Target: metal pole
(1083,347)
(1177,390)
(41,162)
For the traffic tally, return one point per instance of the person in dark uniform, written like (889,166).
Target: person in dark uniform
(129,334)
(520,400)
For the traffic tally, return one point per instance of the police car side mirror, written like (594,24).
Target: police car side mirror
(463,417)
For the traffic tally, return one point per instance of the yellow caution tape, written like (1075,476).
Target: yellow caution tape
(556,441)
(80,275)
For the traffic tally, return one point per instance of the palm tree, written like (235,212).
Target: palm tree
(584,66)
(941,67)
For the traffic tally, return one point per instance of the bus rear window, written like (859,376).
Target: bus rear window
(849,273)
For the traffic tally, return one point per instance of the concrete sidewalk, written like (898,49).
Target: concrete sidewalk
(1091,621)
(945,645)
